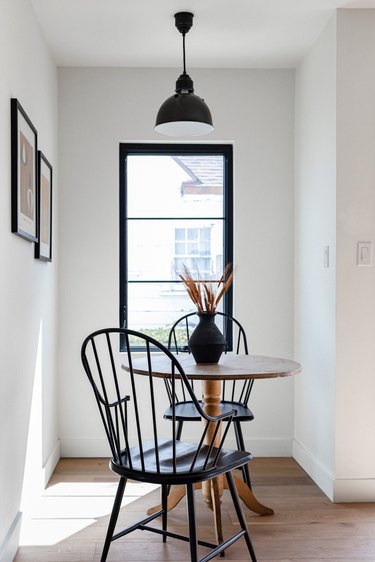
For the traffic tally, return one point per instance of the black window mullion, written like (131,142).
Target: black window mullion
(228,232)
(123,237)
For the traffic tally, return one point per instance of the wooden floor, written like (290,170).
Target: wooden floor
(68,524)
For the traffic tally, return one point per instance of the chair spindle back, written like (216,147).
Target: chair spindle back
(130,404)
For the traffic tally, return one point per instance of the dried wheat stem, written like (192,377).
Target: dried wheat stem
(206,294)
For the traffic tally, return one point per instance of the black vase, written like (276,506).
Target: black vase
(206,343)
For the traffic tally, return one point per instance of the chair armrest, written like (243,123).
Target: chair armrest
(116,403)
(124,399)
(220,417)
(224,415)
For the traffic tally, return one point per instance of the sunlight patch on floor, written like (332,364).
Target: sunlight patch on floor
(68,508)
(44,532)
(65,489)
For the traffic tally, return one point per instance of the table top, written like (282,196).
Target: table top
(231,366)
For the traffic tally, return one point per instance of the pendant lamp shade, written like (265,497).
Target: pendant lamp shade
(184,114)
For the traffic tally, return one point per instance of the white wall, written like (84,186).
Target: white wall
(27,286)
(98,108)
(315,291)
(335,320)
(355,391)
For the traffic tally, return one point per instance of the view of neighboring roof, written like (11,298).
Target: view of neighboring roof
(206,172)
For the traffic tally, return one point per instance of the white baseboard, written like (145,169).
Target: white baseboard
(99,447)
(338,490)
(321,476)
(8,548)
(84,448)
(354,490)
(49,465)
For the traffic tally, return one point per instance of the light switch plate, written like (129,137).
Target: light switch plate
(364,251)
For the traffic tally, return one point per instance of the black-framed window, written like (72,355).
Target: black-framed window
(176,207)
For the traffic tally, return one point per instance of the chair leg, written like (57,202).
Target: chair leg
(164,498)
(113,519)
(193,540)
(241,447)
(217,513)
(180,424)
(240,515)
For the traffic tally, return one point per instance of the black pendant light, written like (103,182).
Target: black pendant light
(184,114)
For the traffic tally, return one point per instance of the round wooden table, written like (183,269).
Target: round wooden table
(230,367)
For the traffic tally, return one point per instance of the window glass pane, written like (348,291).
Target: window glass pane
(193,233)
(200,268)
(154,307)
(204,248)
(180,248)
(192,249)
(175,186)
(180,233)
(153,250)
(205,233)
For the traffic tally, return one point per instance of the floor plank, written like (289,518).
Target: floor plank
(68,523)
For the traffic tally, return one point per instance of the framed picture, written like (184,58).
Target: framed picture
(43,247)
(24,173)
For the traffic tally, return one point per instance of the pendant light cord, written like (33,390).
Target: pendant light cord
(183,51)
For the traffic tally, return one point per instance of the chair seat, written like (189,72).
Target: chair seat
(186,411)
(185,452)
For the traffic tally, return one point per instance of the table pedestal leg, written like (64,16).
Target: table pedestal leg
(211,400)
(216,507)
(174,497)
(247,496)
(213,489)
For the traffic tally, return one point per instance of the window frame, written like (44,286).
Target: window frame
(174,149)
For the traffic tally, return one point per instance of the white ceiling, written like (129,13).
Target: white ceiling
(225,34)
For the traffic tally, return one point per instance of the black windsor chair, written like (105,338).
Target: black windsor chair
(235,394)
(128,406)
